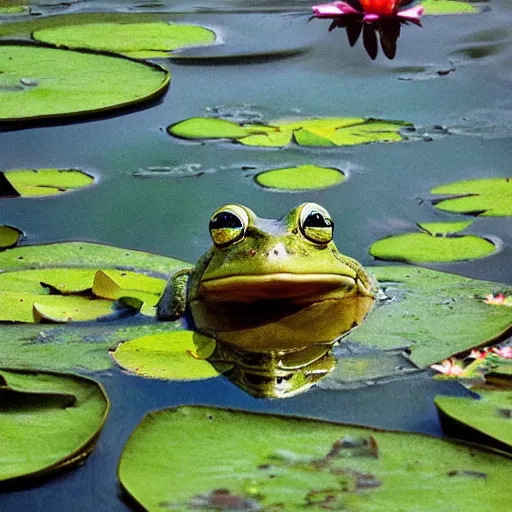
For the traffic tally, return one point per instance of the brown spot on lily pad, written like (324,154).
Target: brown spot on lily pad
(222,499)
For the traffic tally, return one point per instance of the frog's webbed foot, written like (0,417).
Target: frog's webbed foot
(173,302)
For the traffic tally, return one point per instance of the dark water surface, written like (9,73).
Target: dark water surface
(273,63)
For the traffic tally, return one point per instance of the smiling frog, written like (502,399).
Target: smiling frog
(267,284)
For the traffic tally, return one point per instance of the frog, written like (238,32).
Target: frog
(267,283)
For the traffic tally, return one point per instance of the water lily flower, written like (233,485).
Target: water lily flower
(449,367)
(504,352)
(498,299)
(370,17)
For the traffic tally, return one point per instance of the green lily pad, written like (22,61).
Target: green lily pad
(234,460)
(38,83)
(486,197)
(429,247)
(302,177)
(9,236)
(305,132)
(448,7)
(45,182)
(434,315)
(500,376)
(481,421)
(169,355)
(138,40)
(48,421)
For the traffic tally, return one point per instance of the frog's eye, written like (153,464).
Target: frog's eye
(316,223)
(228,225)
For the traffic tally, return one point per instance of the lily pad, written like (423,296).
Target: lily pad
(137,40)
(178,355)
(434,315)
(486,197)
(305,132)
(302,177)
(234,460)
(48,421)
(9,236)
(481,421)
(44,182)
(448,7)
(434,245)
(38,82)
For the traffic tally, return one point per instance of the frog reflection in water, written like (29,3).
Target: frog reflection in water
(271,285)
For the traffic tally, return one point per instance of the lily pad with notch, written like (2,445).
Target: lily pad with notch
(42,182)
(9,236)
(136,40)
(438,243)
(41,83)
(490,197)
(295,463)
(49,422)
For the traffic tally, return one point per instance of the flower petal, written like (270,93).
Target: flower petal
(333,10)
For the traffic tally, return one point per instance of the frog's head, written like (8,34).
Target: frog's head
(292,259)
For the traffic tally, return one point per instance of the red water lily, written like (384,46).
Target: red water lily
(384,17)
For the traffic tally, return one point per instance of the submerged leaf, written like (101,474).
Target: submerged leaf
(302,177)
(139,40)
(45,182)
(486,197)
(266,462)
(38,82)
(48,421)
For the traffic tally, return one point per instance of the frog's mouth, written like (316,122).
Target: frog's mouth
(280,286)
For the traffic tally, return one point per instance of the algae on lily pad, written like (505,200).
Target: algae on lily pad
(39,82)
(490,197)
(437,244)
(483,421)
(433,315)
(48,421)
(136,40)
(45,182)
(448,7)
(305,132)
(175,355)
(236,460)
(9,236)
(302,177)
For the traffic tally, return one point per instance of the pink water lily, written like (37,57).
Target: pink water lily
(449,367)
(370,17)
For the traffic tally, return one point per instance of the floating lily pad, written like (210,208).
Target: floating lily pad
(481,421)
(9,236)
(138,40)
(302,177)
(448,7)
(44,182)
(48,422)
(434,315)
(433,246)
(170,355)
(234,460)
(486,197)
(305,132)
(40,82)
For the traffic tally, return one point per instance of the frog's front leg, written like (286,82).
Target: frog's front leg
(173,302)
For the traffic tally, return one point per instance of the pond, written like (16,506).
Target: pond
(153,192)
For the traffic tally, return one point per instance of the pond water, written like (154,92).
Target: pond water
(451,79)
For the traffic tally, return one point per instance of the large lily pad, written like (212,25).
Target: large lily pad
(48,422)
(38,82)
(43,182)
(170,355)
(302,177)
(483,421)
(433,245)
(9,236)
(233,460)
(139,40)
(434,315)
(486,197)
(305,132)
(448,7)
